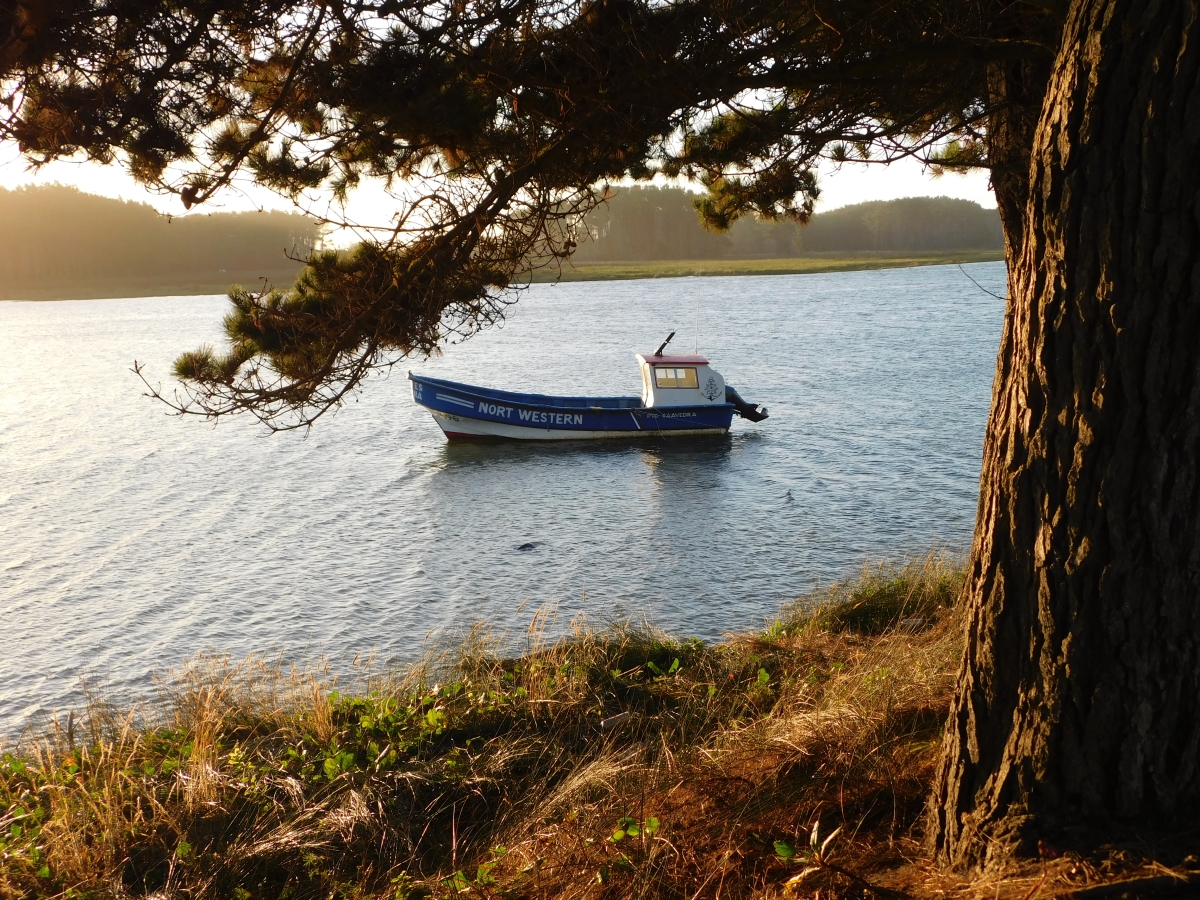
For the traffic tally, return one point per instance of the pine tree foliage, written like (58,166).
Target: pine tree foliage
(500,122)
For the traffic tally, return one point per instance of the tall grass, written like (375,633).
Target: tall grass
(614,763)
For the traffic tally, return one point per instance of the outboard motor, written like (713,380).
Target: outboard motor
(742,408)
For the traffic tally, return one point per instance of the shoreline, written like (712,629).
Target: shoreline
(607,764)
(800,265)
(135,288)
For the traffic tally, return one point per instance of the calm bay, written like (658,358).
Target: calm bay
(130,540)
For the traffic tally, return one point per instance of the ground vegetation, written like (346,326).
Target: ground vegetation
(800,265)
(608,763)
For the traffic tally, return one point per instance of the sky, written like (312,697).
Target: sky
(840,186)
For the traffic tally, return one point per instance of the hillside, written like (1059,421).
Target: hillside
(648,223)
(913,224)
(57,242)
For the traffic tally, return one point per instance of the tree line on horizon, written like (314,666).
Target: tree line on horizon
(56,239)
(661,223)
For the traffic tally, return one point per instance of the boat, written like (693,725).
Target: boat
(681,395)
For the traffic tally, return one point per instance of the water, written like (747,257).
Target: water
(130,540)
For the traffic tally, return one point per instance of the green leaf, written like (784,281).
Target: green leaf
(183,849)
(763,676)
(784,850)
(650,825)
(653,668)
(332,769)
(674,667)
(43,872)
(625,827)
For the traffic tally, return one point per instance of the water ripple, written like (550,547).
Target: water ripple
(130,540)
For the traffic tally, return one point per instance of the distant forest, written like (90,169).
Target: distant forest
(56,242)
(648,223)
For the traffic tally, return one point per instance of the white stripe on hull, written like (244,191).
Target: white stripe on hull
(455,426)
(455,400)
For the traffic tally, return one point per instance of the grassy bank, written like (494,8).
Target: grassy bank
(617,763)
(107,287)
(795,266)
(99,288)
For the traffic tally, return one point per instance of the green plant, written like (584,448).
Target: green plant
(254,776)
(815,857)
(630,827)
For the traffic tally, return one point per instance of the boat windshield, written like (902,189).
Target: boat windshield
(675,378)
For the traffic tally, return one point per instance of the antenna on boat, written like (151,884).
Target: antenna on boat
(663,345)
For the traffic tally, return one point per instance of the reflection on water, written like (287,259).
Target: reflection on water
(686,476)
(130,540)
(693,453)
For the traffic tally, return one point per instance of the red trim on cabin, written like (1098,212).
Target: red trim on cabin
(676,360)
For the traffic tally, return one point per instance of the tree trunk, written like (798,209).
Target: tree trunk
(1078,703)
(1015,92)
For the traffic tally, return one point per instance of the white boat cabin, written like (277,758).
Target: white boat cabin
(679,381)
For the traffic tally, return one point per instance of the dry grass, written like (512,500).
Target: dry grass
(803,265)
(609,764)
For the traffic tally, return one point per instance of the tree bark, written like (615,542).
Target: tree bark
(1015,91)
(1077,709)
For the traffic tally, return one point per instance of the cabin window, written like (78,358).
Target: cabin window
(675,378)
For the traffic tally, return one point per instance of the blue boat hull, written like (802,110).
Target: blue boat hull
(467,411)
